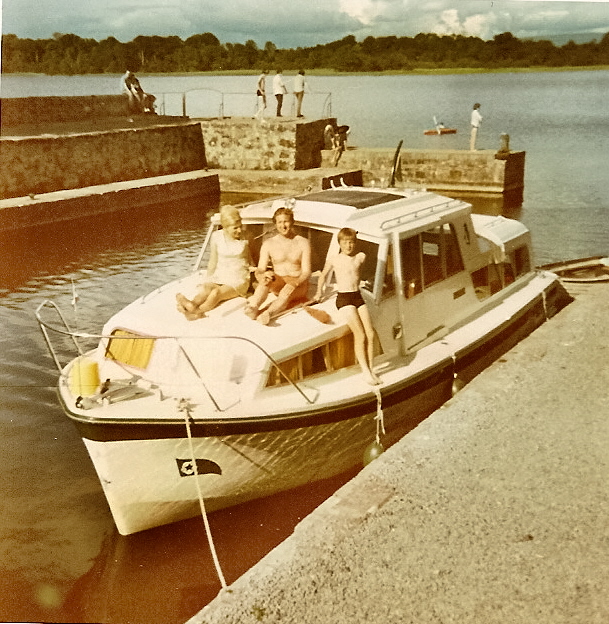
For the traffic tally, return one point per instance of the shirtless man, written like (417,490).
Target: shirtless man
(349,301)
(290,256)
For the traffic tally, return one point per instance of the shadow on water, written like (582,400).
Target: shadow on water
(69,245)
(166,575)
(507,204)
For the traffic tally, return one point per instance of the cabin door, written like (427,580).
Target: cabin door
(380,296)
(429,284)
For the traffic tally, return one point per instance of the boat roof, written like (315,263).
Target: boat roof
(371,211)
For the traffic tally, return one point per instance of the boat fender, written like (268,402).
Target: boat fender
(373,450)
(83,378)
(458,385)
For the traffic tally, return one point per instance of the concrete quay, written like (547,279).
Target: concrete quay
(493,510)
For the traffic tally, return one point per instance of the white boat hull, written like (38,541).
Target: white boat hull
(151,482)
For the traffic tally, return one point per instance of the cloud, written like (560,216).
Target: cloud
(301,22)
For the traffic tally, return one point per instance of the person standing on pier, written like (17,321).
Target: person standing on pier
(299,90)
(261,93)
(279,90)
(475,122)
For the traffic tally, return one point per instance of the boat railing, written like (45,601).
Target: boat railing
(208,102)
(75,336)
(435,209)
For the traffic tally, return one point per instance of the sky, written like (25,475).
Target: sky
(301,23)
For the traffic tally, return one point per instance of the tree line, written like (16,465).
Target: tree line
(68,54)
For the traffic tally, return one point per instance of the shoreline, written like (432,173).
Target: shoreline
(440,71)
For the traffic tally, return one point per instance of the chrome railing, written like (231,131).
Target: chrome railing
(65,330)
(206,102)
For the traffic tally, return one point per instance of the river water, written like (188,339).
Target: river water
(61,557)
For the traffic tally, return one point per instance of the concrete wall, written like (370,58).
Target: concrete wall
(272,145)
(443,170)
(42,164)
(32,110)
(78,203)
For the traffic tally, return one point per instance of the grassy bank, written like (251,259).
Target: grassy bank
(441,71)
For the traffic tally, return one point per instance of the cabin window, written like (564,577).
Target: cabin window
(454,261)
(429,258)
(326,358)
(129,348)
(410,249)
(368,270)
(432,259)
(320,243)
(508,274)
(487,281)
(388,281)
(521,260)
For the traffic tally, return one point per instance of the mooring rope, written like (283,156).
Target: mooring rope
(185,407)
(380,418)
(545,304)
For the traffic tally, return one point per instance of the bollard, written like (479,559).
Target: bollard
(504,149)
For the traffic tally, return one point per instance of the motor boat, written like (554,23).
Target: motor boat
(226,409)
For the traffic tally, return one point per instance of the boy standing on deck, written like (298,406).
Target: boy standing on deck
(346,265)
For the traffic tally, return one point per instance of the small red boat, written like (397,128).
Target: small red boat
(440,128)
(441,131)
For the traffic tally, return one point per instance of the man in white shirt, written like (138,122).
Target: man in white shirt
(279,90)
(299,89)
(476,119)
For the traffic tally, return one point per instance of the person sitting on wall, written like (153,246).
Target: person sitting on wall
(139,101)
(290,256)
(336,140)
(228,270)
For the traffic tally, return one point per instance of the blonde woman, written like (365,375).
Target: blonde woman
(228,271)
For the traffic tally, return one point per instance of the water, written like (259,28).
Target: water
(60,557)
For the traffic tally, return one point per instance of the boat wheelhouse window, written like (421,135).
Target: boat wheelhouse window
(429,258)
(454,261)
(389,279)
(368,269)
(129,348)
(487,281)
(326,358)
(521,260)
(432,259)
(410,251)
(320,243)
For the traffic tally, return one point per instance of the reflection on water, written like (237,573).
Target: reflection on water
(166,574)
